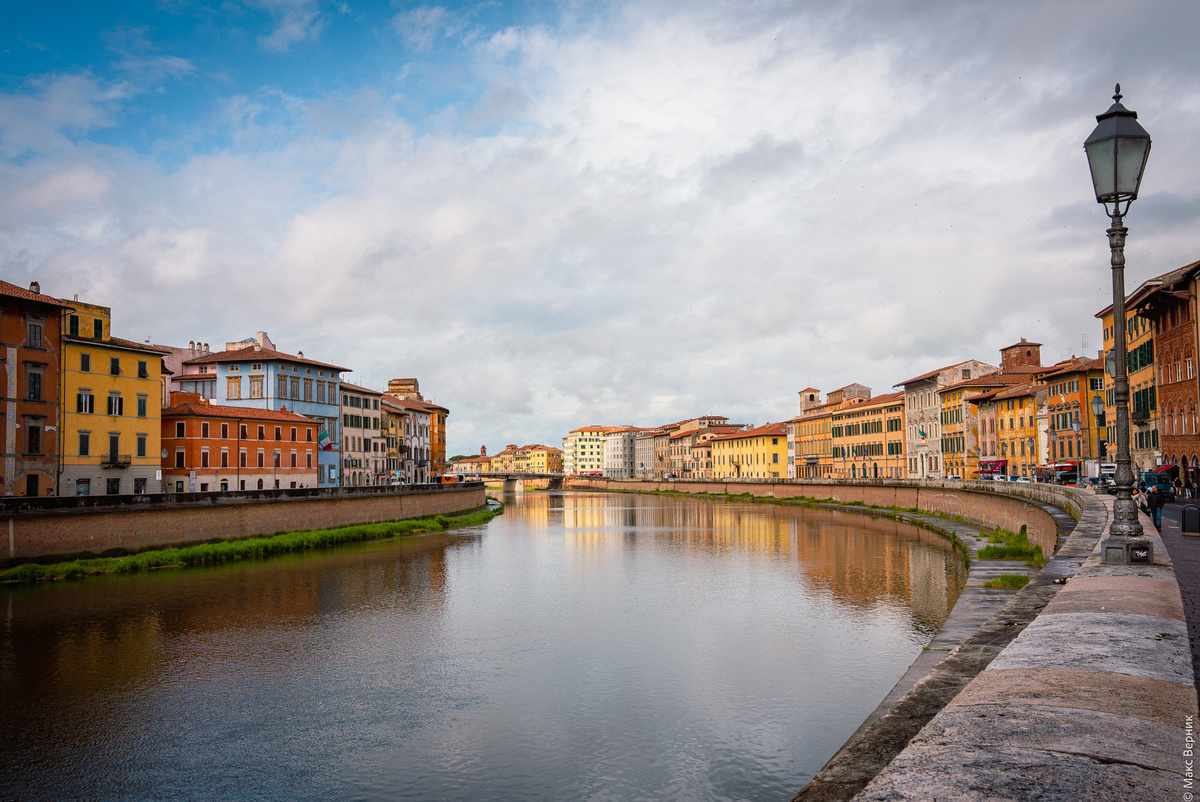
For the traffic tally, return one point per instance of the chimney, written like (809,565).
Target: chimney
(300,354)
(35,287)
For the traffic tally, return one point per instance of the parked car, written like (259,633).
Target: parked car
(1161,480)
(1024,479)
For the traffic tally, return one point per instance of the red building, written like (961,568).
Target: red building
(30,358)
(1171,307)
(208,447)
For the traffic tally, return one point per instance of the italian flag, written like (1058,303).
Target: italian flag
(323,440)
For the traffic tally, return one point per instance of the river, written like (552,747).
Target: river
(581,646)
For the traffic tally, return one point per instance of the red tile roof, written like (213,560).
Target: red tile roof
(253,355)
(14,291)
(769,429)
(931,373)
(191,409)
(157,349)
(1074,365)
(356,388)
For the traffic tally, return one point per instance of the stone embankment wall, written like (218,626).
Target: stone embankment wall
(69,526)
(1004,504)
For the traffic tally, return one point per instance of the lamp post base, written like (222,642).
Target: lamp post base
(1126,551)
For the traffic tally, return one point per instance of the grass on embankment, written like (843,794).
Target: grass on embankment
(1008,581)
(249,548)
(1012,546)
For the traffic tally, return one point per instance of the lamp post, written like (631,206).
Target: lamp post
(1097,411)
(1116,153)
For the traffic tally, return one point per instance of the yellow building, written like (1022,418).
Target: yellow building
(811,434)
(755,454)
(1011,430)
(1144,450)
(867,439)
(112,408)
(544,459)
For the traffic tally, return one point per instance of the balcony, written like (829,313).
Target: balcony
(1139,416)
(116,460)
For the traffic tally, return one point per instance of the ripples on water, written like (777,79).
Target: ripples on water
(582,646)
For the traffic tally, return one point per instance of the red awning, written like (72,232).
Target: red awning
(1162,469)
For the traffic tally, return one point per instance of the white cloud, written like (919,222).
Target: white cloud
(673,213)
(295,21)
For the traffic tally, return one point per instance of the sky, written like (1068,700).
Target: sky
(557,214)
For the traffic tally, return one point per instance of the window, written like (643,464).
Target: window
(261,458)
(179,458)
(243,433)
(204,458)
(320,392)
(308,459)
(262,433)
(308,389)
(308,435)
(116,404)
(85,363)
(235,368)
(35,335)
(179,428)
(33,381)
(255,366)
(85,402)
(85,439)
(143,369)
(256,386)
(73,326)
(293,459)
(141,445)
(112,487)
(242,458)
(204,429)
(97,329)
(295,388)
(114,365)
(278,432)
(283,384)
(233,387)
(83,487)
(224,457)
(139,485)
(293,434)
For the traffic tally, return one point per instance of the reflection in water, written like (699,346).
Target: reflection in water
(580,645)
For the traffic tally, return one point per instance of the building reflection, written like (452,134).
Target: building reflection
(858,560)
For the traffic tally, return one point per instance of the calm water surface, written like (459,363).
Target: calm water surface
(582,646)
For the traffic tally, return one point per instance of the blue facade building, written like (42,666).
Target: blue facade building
(253,374)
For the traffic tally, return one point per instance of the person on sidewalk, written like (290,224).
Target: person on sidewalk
(1155,499)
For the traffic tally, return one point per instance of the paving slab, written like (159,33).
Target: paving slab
(958,773)
(1136,645)
(1081,689)
(1104,737)
(1136,595)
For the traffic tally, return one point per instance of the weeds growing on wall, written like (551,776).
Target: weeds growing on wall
(1012,546)
(1008,581)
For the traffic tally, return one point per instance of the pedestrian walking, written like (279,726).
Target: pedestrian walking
(1155,499)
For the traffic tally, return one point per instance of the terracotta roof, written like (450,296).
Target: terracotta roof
(220,411)
(359,389)
(157,349)
(14,291)
(1135,298)
(264,355)
(932,373)
(1023,342)
(1075,365)
(768,429)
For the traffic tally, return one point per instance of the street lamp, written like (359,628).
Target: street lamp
(1097,411)
(1116,153)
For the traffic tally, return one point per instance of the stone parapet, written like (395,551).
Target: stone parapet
(92,525)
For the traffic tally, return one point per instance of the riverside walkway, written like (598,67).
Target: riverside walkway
(1093,699)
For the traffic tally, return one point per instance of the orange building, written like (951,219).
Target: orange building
(31,341)
(213,448)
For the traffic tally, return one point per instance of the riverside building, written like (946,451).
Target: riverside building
(112,421)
